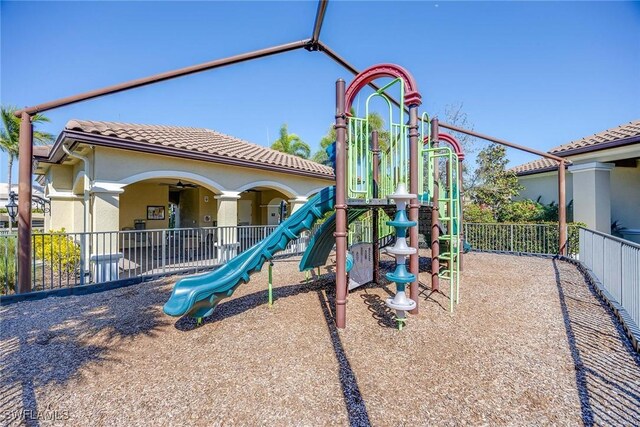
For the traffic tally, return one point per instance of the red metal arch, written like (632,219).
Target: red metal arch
(411,97)
(457,148)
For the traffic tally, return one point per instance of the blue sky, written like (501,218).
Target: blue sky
(539,73)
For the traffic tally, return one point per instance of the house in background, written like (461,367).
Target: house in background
(603,179)
(105,176)
(37,215)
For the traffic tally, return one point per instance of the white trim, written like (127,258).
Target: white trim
(301,200)
(284,189)
(106,187)
(63,195)
(174,174)
(315,191)
(591,166)
(228,195)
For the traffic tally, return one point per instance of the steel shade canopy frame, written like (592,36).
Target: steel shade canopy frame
(312,44)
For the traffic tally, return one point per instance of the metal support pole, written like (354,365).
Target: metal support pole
(375,216)
(460,214)
(24,205)
(435,216)
(414,206)
(270,283)
(317,25)
(341,206)
(164,251)
(261,53)
(562,210)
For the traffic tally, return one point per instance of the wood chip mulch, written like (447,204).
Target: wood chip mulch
(529,344)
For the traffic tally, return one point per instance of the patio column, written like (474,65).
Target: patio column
(104,242)
(297,203)
(227,239)
(592,195)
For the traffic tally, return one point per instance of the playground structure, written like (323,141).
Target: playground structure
(369,179)
(311,44)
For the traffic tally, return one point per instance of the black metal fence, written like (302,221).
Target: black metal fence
(520,238)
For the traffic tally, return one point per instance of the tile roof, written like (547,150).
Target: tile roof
(200,140)
(42,150)
(627,130)
(597,141)
(536,166)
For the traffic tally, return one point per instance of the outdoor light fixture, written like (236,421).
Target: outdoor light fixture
(12,206)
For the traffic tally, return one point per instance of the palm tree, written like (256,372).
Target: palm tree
(376,122)
(291,143)
(10,136)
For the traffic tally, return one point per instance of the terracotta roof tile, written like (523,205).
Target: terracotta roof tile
(538,165)
(41,151)
(627,130)
(201,140)
(591,143)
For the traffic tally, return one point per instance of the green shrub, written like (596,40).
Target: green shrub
(521,211)
(539,238)
(61,252)
(474,212)
(7,264)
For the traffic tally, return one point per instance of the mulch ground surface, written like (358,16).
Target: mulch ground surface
(529,344)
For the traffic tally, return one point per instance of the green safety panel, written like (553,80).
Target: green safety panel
(322,242)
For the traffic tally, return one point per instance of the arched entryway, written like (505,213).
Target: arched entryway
(160,203)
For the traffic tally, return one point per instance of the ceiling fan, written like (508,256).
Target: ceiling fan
(180,185)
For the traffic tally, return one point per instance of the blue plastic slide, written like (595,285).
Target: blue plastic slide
(198,295)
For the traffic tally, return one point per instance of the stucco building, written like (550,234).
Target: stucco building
(105,176)
(603,178)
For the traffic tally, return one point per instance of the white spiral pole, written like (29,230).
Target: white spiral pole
(400,302)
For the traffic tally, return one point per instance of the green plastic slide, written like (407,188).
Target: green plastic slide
(322,242)
(198,295)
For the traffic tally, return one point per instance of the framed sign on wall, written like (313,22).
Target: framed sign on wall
(155,212)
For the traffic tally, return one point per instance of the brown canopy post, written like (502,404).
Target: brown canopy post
(562,210)
(435,214)
(414,206)
(562,202)
(341,206)
(24,202)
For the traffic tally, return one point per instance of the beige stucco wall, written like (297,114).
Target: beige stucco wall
(270,197)
(61,177)
(134,202)
(625,196)
(125,167)
(189,208)
(63,212)
(592,192)
(623,190)
(105,208)
(208,206)
(195,204)
(545,185)
(121,183)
